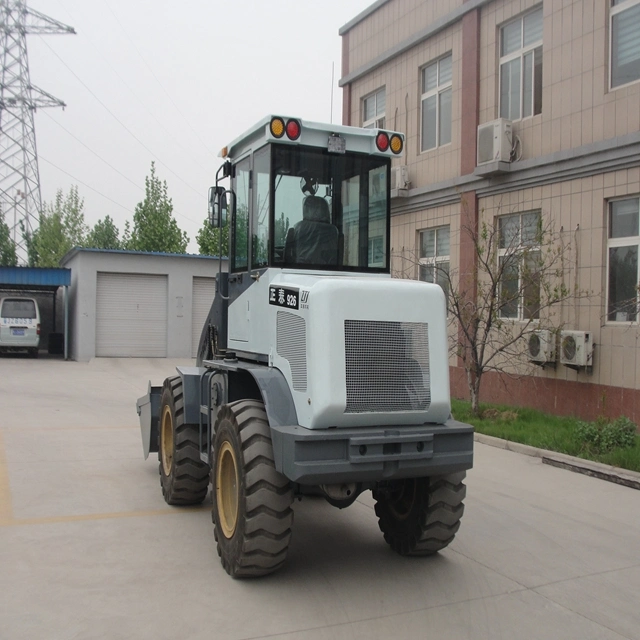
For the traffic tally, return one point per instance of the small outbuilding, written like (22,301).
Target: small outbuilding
(137,304)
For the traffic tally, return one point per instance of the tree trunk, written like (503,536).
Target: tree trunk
(473,382)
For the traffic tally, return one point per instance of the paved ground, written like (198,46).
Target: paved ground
(88,548)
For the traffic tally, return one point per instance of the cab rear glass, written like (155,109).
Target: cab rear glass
(24,309)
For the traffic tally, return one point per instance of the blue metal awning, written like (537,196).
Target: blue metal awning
(34,278)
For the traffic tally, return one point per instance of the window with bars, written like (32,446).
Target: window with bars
(436,103)
(518,261)
(434,256)
(625,42)
(373,109)
(622,246)
(521,66)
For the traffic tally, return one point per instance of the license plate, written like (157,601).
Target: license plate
(17,332)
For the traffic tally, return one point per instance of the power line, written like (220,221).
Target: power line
(169,133)
(104,106)
(187,121)
(84,184)
(97,155)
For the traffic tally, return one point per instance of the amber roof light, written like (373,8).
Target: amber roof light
(277,127)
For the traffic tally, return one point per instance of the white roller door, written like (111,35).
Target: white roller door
(131,315)
(204,289)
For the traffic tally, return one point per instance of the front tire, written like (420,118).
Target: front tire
(420,516)
(184,478)
(252,513)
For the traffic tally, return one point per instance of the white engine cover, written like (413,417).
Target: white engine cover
(356,351)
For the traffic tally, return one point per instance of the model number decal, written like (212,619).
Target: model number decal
(284,297)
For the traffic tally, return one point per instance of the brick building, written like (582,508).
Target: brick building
(516,111)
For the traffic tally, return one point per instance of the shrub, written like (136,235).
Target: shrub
(603,436)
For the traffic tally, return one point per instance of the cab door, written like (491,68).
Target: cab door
(239,280)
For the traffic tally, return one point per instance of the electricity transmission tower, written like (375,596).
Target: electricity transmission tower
(20,198)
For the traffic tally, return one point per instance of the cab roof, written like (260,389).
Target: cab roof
(313,134)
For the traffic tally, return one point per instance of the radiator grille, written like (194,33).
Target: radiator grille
(387,365)
(291,343)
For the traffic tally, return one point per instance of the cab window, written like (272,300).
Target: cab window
(240,225)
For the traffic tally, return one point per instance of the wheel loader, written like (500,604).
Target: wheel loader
(317,374)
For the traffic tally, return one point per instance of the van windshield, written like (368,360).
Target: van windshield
(25,309)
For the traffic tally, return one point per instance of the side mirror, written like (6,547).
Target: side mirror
(217,207)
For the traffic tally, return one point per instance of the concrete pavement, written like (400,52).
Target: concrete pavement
(89,549)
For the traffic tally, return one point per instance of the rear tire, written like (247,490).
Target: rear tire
(420,516)
(184,478)
(252,513)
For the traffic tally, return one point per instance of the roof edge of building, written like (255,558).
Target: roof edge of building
(72,252)
(410,42)
(361,16)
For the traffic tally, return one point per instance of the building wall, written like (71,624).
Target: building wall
(401,79)
(579,153)
(578,107)
(180,270)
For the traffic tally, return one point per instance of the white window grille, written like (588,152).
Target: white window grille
(436,103)
(622,267)
(624,42)
(435,256)
(373,109)
(518,261)
(521,66)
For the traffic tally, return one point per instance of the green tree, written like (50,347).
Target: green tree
(61,227)
(8,257)
(154,227)
(209,241)
(104,235)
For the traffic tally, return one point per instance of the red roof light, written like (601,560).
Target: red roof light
(293,129)
(382,141)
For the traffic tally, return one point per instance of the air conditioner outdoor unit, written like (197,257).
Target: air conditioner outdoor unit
(400,177)
(494,141)
(541,346)
(576,349)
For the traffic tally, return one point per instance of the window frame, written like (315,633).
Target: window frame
(520,54)
(439,89)
(522,250)
(234,229)
(623,241)
(374,123)
(436,260)
(615,10)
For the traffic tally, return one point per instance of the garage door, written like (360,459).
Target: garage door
(204,289)
(131,315)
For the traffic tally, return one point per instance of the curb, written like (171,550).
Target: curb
(606,472)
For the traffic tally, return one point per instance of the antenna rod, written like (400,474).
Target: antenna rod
(333,64)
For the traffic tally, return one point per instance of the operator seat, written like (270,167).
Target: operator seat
(314,239)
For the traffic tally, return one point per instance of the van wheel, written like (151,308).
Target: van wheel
(420,516)
(252,513)
(184,478)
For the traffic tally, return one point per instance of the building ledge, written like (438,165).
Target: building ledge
(399,193)
(494,168)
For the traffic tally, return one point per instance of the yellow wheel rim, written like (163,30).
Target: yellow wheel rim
(166,440)
(227,485)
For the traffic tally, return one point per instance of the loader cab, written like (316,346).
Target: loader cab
(310,199)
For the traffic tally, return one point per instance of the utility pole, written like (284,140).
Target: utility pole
(20,197)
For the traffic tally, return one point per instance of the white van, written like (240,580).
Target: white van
(19,325)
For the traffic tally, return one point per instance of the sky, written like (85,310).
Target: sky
(173,82)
